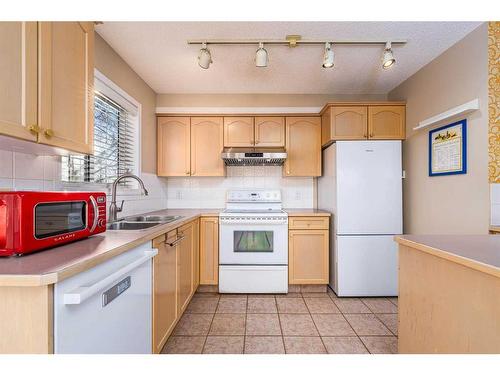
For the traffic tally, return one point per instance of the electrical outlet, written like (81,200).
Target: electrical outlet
(178,194)
(298,196)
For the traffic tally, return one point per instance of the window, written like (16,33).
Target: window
(115,139)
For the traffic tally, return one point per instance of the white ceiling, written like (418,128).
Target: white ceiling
(158,52)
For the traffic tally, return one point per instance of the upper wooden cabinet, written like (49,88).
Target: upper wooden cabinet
(254,131)
(239,132)
(207,142)
(303,146)
(174,146)
(358,122)
(386,122)
(269,131)
(66,85)
(18,80)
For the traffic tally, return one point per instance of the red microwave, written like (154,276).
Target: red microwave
(36,220)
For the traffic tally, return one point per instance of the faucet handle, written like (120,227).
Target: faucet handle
(119,209)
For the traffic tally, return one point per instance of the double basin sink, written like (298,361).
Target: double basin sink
(138,222)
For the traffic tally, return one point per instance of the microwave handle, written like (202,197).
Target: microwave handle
(96,213)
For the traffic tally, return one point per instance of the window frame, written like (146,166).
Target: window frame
(107,87)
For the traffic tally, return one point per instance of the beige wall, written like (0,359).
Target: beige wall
(458,203)
(255,100)
(109,63)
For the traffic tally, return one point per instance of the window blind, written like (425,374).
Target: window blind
(113,146)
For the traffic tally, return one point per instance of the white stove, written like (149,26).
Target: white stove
(253,251)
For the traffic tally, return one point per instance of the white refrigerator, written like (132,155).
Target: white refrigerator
(361,186)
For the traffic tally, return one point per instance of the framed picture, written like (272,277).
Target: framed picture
(448,149)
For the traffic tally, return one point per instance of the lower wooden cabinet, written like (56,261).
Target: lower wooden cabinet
(308,256)
(185,263)
(209,250)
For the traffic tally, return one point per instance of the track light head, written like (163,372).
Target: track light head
(328,56)
(388,59)
(204,57)
(261,57)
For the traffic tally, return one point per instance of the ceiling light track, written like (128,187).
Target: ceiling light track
(285,42)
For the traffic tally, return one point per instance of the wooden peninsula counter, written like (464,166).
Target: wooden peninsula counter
(449,293)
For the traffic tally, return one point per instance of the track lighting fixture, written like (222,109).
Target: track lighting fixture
(204,57)
(388,59)
(329,56)
(261,57)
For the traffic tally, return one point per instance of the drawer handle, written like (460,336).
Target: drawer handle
(172,244)
(80,294)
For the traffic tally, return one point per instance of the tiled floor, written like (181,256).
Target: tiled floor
(296,323)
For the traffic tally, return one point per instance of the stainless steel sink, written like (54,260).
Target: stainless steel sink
(152,218)
(125,225)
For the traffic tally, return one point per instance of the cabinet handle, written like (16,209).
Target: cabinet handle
(172,244)
(35,129)
(287,172)
(365,135)
(49,133)
(187,172)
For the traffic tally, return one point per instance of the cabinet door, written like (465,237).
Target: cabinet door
(209,251)
(239,132)
(66,80)
(206,146)
(164,290)
(349,123)
(326,127)
(386,122)
(196,255)
(308,257)
(303,146)
(173,146)
(18,80)
(270,132)
(185,258)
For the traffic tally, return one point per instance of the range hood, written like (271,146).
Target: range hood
(239,156)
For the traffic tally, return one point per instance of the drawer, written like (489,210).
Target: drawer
(308,222)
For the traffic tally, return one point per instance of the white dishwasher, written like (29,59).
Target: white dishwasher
(107,309)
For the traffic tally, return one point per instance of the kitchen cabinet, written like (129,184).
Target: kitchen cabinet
(239,132)
(269,131)
(196,255)
(18,80)
(185,265)
(66,85)
(303,147)
(47,78)
(164,289)
(308,256)
(344,123)
(207,142)
(209,250)
(386,122)
(174,146)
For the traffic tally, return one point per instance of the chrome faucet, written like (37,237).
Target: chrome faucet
(113,208)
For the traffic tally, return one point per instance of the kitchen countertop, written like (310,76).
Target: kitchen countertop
(480,252)
(53,265)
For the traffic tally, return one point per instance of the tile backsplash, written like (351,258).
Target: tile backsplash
(19,171)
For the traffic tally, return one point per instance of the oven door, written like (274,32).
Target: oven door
(249,244)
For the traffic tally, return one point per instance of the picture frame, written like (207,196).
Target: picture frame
(448,149)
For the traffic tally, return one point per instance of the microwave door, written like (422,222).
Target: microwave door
(56,218)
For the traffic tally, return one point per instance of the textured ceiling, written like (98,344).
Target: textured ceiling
(158,52)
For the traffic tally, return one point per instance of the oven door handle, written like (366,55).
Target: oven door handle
(96,213)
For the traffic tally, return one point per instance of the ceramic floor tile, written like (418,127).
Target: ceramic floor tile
(315,295)
(390,321)
(367,325)
(224,345)
(184,345)
(263,325)
(344,345)
(321,306)
(207,289)
(351,305)
(261,305)
(259,296)
(233,295)
(291,305)
(381,345)
(228,325)
(394,300)
(380,305)
(304,345)
(203,304)
(293,288)
(232,305)
(193,325)
(332,325)
(288,295)
(297,325)
(264,345)
(313,288)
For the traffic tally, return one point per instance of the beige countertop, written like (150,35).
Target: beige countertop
(480,252)
(53,265)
